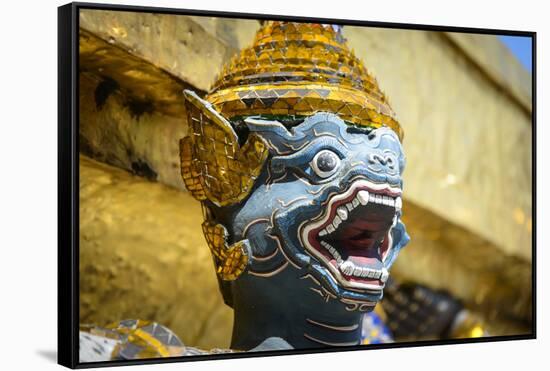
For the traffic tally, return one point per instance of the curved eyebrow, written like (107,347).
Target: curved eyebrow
(330,135)
(305,154)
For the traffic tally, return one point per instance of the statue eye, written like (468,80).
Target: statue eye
(325,163)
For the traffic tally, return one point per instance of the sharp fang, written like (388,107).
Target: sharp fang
(322,232)
(398,203)
(384,276)
(330,228)
(363,197)
(336,222)
(342,213)
(349,206)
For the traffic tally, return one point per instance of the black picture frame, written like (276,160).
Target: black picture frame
(68,181)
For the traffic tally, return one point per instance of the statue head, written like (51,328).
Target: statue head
(296,157)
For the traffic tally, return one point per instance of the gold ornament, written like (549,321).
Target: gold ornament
(231,260)
(213,165)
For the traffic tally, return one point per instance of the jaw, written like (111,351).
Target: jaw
(351,237)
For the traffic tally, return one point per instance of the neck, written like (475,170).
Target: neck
(302,318)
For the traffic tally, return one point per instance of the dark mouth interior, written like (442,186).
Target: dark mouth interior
(363,232)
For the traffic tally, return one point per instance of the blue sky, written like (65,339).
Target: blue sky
(521,48)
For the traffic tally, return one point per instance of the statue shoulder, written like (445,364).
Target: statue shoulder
(133,339)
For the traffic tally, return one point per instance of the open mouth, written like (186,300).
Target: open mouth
(352,236)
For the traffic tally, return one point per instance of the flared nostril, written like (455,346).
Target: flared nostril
(375,159)
(382,161)
(390,163)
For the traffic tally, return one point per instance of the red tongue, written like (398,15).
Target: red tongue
(361,250)
(364,256)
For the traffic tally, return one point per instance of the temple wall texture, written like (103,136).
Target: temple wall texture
(463,103)
(142,256)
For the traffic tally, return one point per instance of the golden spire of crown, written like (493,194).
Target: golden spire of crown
(298,69)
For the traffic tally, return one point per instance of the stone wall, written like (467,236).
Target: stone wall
(142,255)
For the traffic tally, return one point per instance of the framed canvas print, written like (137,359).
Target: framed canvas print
(244,185)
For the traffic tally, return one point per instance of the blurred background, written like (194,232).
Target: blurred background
(463,100)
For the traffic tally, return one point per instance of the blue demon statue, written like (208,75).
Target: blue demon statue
(296,157)
(321,228)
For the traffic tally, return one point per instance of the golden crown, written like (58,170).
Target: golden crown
(298,69)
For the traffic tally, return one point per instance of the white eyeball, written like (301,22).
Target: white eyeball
(325,163)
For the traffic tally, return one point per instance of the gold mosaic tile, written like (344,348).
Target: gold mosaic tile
(214,166)
(230,260)
(300,69)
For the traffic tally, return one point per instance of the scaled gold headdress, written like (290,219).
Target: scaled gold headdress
(299,69)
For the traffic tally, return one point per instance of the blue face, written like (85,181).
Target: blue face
(324,215)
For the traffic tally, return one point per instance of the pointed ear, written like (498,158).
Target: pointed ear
(213,165)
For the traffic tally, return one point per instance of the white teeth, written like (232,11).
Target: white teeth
(333,251)
(342,213)
(385,275)
(355,202)
(330,228)
(347,267)
(322,232)
(363,197)
(398,203)
(336,222)
(350,269)
(378,199)
(349,205)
